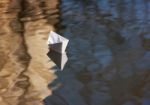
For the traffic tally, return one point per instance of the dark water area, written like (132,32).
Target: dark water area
(109,53)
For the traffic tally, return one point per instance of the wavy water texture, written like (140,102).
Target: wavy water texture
(24,66)
(109,53)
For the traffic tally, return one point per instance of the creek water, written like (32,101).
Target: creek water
(109,53)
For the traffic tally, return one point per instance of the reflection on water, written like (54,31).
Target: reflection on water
(109,53)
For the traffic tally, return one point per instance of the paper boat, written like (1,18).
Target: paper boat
(57,42)
(58,58)
(57,45)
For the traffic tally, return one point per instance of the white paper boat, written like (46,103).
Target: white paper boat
(59,59)
(57,42)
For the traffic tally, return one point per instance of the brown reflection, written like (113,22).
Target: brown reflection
(24,74)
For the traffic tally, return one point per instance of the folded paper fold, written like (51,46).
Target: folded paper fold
(57,42)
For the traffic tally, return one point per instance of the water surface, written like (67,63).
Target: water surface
(109,53)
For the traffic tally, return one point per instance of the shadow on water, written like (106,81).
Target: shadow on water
(109,54)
